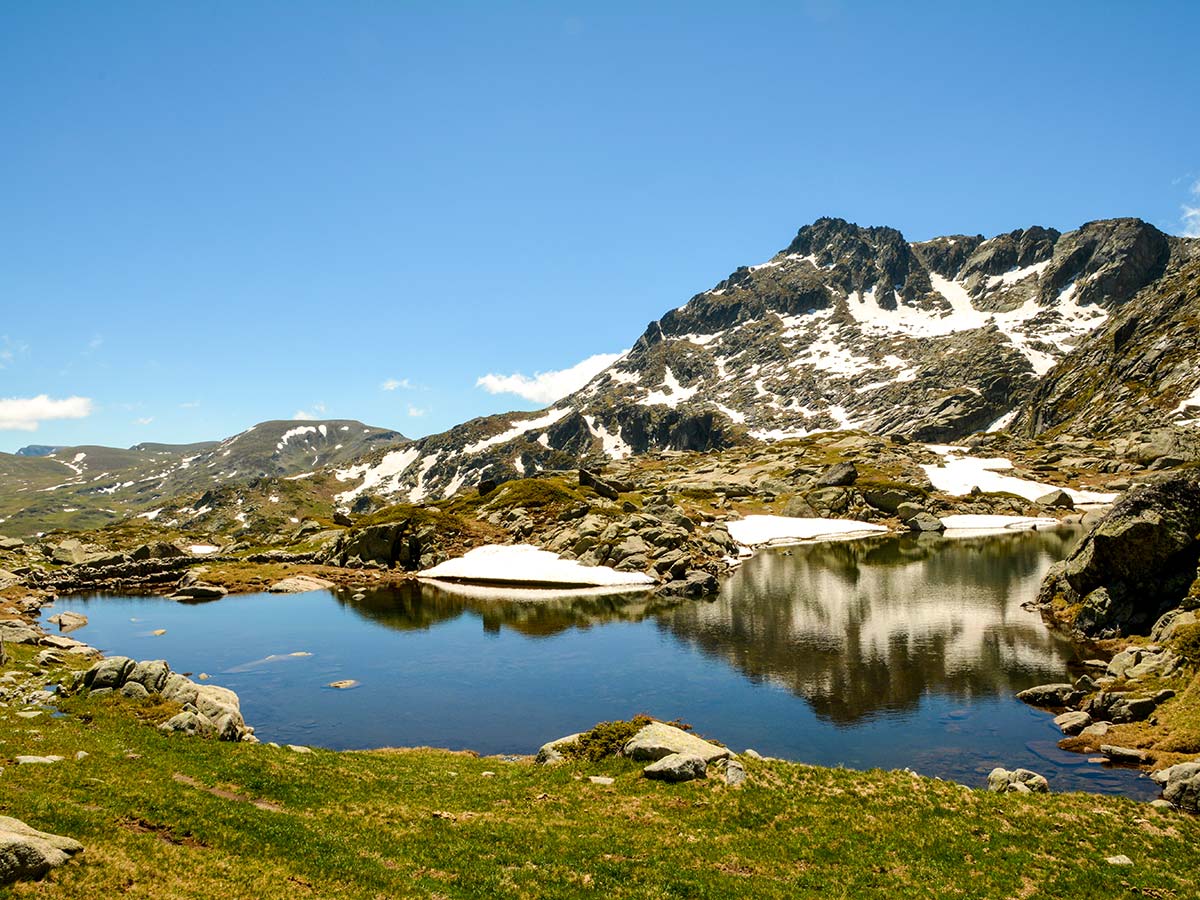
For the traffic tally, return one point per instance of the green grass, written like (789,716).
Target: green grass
(174,817)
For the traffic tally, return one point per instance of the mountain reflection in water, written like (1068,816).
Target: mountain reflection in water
(862,627)
(884,652)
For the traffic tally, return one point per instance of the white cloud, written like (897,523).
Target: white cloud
(144,420)
(393,383)
(190,404)
(546,387)
(304,415)
(26,413)
(1190,219)
(415,412)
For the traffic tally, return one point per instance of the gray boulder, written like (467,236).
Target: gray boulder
(926,522)
(1018,781)
(27,854)
(151,674)
(1124,755)
(1055,500)
(658,740)
(677,767)
(838,475)
(550,753)
(190,723)
(1051,695)
(109,673)
(1073,722)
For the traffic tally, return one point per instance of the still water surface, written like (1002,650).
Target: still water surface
(891,652)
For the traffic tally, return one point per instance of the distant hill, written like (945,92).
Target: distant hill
(90,486)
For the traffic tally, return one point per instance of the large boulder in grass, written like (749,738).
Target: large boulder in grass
(27,854)
(658,740)
(1137,564)
(677,767)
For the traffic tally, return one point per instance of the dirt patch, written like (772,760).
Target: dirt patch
(226,794)
(163,832)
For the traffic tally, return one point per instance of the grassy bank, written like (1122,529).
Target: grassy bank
(173,817)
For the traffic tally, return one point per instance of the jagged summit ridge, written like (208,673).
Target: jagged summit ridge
(846,327)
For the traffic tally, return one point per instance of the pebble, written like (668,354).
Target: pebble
(487,774)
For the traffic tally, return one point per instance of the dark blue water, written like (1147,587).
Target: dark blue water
(892,653)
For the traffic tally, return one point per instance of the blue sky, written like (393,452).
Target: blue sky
(219,213)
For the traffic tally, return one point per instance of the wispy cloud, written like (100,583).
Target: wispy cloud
(26,413)
(189,404)
(393,384)
(144,420)
(304,415)
(546,387)
(96,342)
(416,413)
(1190,219)
(10,350)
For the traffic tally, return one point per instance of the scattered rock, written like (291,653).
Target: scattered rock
(677,767)
(200,590)
(735,773)
(1119,860)
(1073,722)
(1124,755)
(601,779)
(37,760)
(344,684)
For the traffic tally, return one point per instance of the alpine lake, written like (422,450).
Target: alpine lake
(893,652)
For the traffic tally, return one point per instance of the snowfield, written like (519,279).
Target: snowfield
(959,474)
(524,564)
(760,531)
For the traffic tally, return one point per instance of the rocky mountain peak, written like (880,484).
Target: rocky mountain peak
(847,327)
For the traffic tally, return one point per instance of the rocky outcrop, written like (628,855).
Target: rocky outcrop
(208,710)
(1137,372)
(1136,565)
(409,544)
